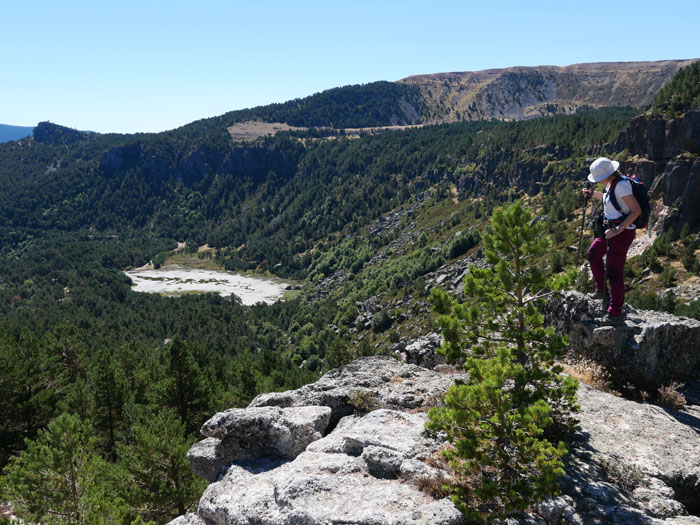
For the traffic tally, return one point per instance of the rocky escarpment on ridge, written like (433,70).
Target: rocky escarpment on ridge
(665,155)
(525,92)
(368,453)
(366,469)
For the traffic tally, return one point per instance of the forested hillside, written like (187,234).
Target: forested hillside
(364,222)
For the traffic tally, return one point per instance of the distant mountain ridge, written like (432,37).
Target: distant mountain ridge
(8,132)
(517,93)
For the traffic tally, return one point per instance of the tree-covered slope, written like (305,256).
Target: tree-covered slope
(367,223)
(276,197)
(681,94)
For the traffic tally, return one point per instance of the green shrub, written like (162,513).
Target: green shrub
(497,422)
(381,321)
(667,277)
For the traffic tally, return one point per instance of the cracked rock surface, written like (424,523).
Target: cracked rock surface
(630,462)
(650,349)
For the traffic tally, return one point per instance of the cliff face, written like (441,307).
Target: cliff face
(524,92)
(666,158)
(663,153)
(352,447)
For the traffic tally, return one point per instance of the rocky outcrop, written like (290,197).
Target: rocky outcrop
(630,462)
(658,139)
(421,351)
(256,432)
(650,349)
(280,470)
(54,134)
(244,162)
(691,195)
(350,476)
(366,383)
(668,165)
(525,92)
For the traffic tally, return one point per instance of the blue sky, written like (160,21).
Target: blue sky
(132,66)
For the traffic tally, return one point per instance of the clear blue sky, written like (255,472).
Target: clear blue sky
(130,66)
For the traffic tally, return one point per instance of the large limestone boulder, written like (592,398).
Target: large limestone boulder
(350,476)
(375,381)
(256,432)
(649,350)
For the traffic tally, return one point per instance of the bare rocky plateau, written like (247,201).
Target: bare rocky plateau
(517,93)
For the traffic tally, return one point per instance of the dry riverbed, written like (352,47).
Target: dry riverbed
(175,279)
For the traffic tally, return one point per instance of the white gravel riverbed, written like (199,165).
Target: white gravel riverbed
(178,280)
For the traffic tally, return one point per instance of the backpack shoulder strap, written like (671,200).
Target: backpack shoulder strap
(611,191)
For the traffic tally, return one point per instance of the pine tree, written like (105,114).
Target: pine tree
(60,478)
(32,380)
(496,421)
(161,483)
(185,387)
(108,389)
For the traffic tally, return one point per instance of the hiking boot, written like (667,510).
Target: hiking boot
(597,295)
(612,320)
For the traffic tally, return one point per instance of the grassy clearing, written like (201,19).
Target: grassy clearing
(192,260)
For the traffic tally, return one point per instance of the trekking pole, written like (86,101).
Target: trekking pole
(583,222)
(603,306)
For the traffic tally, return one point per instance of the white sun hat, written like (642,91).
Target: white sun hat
(602,168)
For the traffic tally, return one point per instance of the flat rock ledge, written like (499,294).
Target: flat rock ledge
(651,349)
(631,462)
(374,381)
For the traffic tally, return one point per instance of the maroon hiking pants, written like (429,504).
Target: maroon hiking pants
(616,258)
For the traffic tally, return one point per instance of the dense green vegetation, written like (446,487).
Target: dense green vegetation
(279,197)
(681,94)
(361,221)
(498,421)
(368,105)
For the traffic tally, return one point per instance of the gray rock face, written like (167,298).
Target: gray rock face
(671,175)
(256,432)
(379,381)
(347,477)
(421,351)
(651,349)
(659,139)
(644,169)
(690,207)
(631,462)
(675,180)
(683,134)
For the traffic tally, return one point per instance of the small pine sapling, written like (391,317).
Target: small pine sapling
(515,395)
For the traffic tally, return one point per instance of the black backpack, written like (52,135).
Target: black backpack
(639,190)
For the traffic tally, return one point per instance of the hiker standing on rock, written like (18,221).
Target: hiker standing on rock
(619,234)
